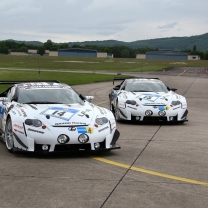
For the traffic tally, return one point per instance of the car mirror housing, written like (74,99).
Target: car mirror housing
(89,98)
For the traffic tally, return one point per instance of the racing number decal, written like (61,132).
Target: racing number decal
(61,113)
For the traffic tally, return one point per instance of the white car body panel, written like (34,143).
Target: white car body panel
(57,119)
(169,103)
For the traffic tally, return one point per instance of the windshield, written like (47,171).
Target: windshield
(66,96)
(146,87)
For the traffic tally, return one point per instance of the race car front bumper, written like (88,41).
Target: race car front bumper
(109,143)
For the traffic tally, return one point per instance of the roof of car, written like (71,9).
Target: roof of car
(143,80)
(41,85)
(138,79)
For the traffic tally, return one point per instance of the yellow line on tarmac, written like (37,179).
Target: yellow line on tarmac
(151,172)
(102,102)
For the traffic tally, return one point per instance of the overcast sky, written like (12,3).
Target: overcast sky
(91,20)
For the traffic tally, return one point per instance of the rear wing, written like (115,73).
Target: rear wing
(117,78)
(25,81)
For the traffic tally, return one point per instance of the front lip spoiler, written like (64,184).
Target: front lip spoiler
(114,146)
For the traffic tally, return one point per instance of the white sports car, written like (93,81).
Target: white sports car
(147,99)
(52,117)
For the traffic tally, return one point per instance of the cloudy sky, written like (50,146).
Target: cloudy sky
(91,20)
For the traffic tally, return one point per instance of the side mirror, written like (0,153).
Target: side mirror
(89,98)
(173,89)
(116,88)
(3,99)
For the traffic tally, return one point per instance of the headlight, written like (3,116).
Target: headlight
(33,122)
(101,121)
(63,139)
(131,102)
(148,113)
(161,113)
(83,138)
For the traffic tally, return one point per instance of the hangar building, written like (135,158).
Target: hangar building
(171,55)
(168,55)
(81,52)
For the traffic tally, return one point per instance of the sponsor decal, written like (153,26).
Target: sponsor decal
(10,107)
(84,130)
(121,105)
(162,108)
(103,129)
(77,123)
(13,112)
(2,110)
(19,131)
(40,85)
(72,129)
(61,113)
(149,97)
(23,112)
(113,124)
(176,108)
(131,107)
(101,111)
(17,126)
(58,124)
(36,131)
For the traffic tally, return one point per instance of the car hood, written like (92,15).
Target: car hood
(153,98)
(62,114)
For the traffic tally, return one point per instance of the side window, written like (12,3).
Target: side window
(10,94)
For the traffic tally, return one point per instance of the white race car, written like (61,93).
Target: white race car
(52,117)
(147,99)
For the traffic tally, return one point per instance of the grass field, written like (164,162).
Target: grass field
(11,68)
(93,64)
(64,77)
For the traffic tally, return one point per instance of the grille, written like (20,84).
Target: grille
(146,118)
(71,147)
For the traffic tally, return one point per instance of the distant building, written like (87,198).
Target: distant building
(82,52)
(53,53)
(193,57)
(170,55)
(19,53)
(77,52)
(141,56)
(167,55)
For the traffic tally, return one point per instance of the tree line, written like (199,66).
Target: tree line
(8,46)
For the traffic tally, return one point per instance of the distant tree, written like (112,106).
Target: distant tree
(206,55)
(124,53)
(4,49)
(194,48)
(64,45)
(41,50)
(116,52)
(48,44)
(54,48)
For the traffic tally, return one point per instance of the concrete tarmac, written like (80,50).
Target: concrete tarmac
(158,165)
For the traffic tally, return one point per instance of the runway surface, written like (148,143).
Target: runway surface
(158,166)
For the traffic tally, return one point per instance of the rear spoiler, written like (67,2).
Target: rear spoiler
(25,81)
(117,78)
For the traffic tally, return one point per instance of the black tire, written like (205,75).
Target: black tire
(9,136)
(117,112)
